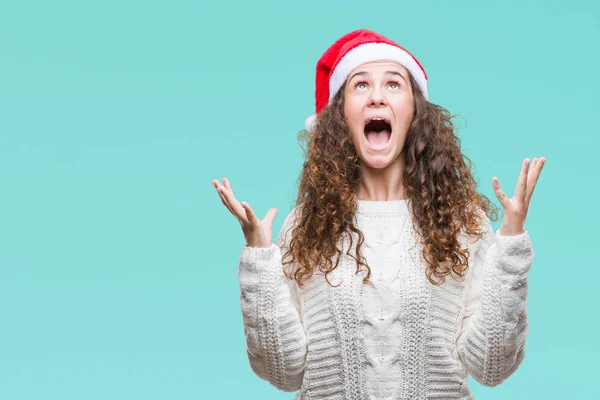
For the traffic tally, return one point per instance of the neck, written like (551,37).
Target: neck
(382,184)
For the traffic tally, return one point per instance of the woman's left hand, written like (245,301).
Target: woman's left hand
(515,209)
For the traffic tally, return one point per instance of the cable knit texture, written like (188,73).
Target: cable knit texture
(397,337)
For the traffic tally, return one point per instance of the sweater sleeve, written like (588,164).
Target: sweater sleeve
(271,313)
(491,341)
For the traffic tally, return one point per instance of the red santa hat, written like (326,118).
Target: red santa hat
(350,51)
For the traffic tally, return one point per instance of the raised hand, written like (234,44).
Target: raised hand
(516,208)
(257,233)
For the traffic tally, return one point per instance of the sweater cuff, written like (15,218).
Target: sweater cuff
(255,259)
(516,252)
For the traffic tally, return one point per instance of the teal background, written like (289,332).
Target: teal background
(118,261)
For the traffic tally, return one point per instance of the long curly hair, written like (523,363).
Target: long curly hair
(437,180)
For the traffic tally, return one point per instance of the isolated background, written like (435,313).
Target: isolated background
(118,261)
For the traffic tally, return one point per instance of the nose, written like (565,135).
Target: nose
(377,98)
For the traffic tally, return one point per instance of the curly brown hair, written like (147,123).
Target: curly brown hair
(437,179)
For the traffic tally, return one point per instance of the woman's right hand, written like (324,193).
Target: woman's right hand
(257,233)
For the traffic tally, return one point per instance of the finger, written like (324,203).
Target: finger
(533,176)
(252,219)
(224,200)
(504,201)
(231,203)
(521,188)
(227,184)
(270,216)
(234,204)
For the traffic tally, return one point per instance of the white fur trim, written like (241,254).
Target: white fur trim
(310,123)
(369,52)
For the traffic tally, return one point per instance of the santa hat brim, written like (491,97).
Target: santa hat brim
(370,52)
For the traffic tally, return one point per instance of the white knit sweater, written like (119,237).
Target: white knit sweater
(399,337)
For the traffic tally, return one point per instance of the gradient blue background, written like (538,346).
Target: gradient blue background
(118,261)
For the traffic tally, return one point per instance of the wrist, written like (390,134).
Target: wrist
(510,230)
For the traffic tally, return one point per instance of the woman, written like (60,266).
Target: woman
(386,280)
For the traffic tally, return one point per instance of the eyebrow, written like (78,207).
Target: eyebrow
(387,72)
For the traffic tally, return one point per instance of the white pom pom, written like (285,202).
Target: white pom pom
(310,123)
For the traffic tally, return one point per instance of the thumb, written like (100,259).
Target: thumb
(270,216)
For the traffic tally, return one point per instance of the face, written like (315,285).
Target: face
(378,105)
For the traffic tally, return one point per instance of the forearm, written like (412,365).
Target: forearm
(275,336)
(493,342)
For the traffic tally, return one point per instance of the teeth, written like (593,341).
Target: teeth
(378,119)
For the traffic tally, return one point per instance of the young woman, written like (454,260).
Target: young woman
(386,280)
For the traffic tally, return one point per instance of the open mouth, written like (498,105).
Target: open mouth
(378,131)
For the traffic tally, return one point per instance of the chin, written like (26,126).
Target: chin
(378,161)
